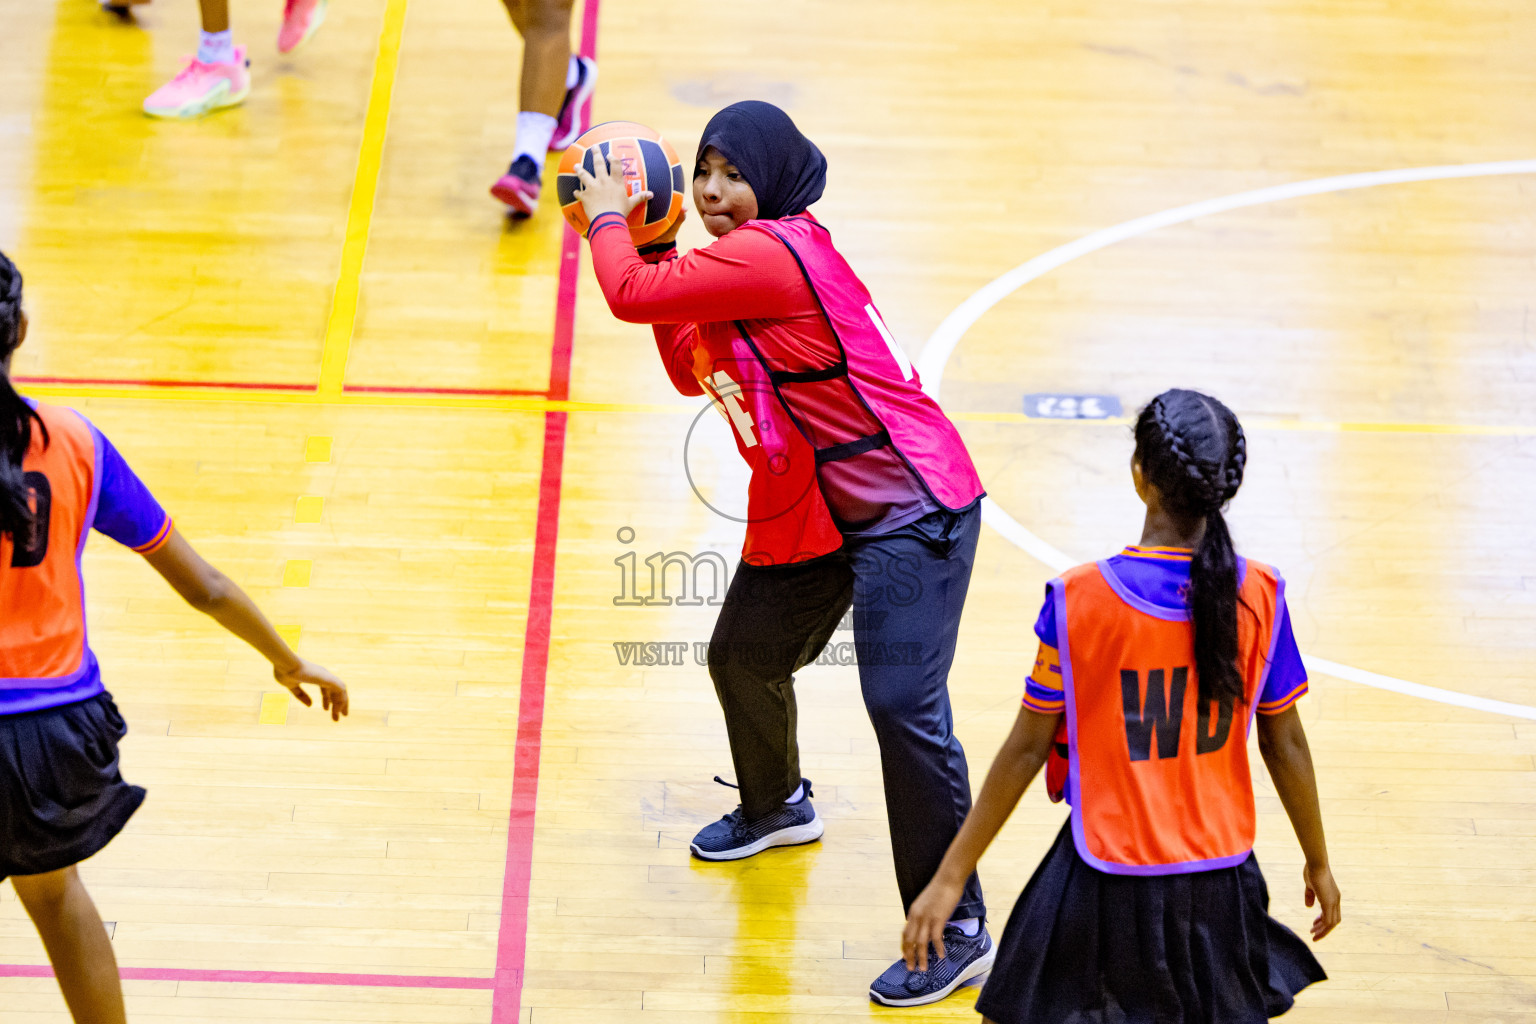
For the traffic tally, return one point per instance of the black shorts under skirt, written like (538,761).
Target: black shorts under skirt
(62,797)
(1086,947)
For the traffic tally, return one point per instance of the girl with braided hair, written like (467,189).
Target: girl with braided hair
(62,797)
(1151,906)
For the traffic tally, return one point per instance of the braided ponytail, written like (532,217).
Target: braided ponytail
(16,416)
(1192,448)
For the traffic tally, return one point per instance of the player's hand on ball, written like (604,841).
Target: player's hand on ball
(333,692)
(670,235)
(605,192)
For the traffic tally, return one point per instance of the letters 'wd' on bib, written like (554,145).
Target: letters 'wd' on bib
(1160,779)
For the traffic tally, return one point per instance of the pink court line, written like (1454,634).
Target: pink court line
(243,385)
(135,382)
(512,939)
(267,977)
(570,251)
(383,389)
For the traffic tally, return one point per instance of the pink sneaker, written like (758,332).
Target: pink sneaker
(519,188)
(569,125)
(201,88)
(301,18)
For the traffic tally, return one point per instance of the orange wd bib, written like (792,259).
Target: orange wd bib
(1161,782)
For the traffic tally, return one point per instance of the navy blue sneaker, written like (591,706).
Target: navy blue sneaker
(964,958)
(734,837)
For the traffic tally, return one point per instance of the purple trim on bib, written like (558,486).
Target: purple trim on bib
(1187,867)
(1141,604)
(47,682)
(1058,589)
(1136,601)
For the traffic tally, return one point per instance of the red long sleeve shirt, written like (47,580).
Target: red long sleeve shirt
(745,275)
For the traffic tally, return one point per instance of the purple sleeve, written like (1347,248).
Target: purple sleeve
(1045,625)
(1287,680)
(1043,690)
(125,510)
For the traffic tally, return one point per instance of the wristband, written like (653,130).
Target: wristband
(656,247)
(599,221)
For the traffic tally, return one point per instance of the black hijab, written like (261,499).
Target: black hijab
(784,168)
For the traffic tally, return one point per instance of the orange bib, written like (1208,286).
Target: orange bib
(1161,784)
(42,601)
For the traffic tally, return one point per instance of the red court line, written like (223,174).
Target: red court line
(512,939)
(382,389)
(565,309)
(267,977)
(570,249)
(150,382)
(244,385)
(565,313)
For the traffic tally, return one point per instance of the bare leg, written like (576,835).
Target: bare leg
(215,15)
(76,941)
(545,26)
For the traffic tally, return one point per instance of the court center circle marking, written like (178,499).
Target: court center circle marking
(936,353)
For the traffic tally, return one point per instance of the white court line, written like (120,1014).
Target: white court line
(934,359)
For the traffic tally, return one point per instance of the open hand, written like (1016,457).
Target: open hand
(604,191)
(1324,891)
(333,692)
(925,922)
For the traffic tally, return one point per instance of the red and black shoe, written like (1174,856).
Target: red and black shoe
(519,187)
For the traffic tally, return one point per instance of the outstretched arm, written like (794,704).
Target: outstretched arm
(211,592)
(1283,743)
(1023,755)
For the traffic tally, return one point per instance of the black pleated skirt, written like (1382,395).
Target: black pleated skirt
(62,797)
(1086,947)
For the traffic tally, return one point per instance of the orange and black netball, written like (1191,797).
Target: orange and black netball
(647,162)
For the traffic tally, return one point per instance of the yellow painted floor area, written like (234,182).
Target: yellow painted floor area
(1380,343)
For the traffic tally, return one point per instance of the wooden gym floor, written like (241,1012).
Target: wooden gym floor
(419,439)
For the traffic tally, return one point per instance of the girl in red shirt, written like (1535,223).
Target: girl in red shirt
(861,493)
